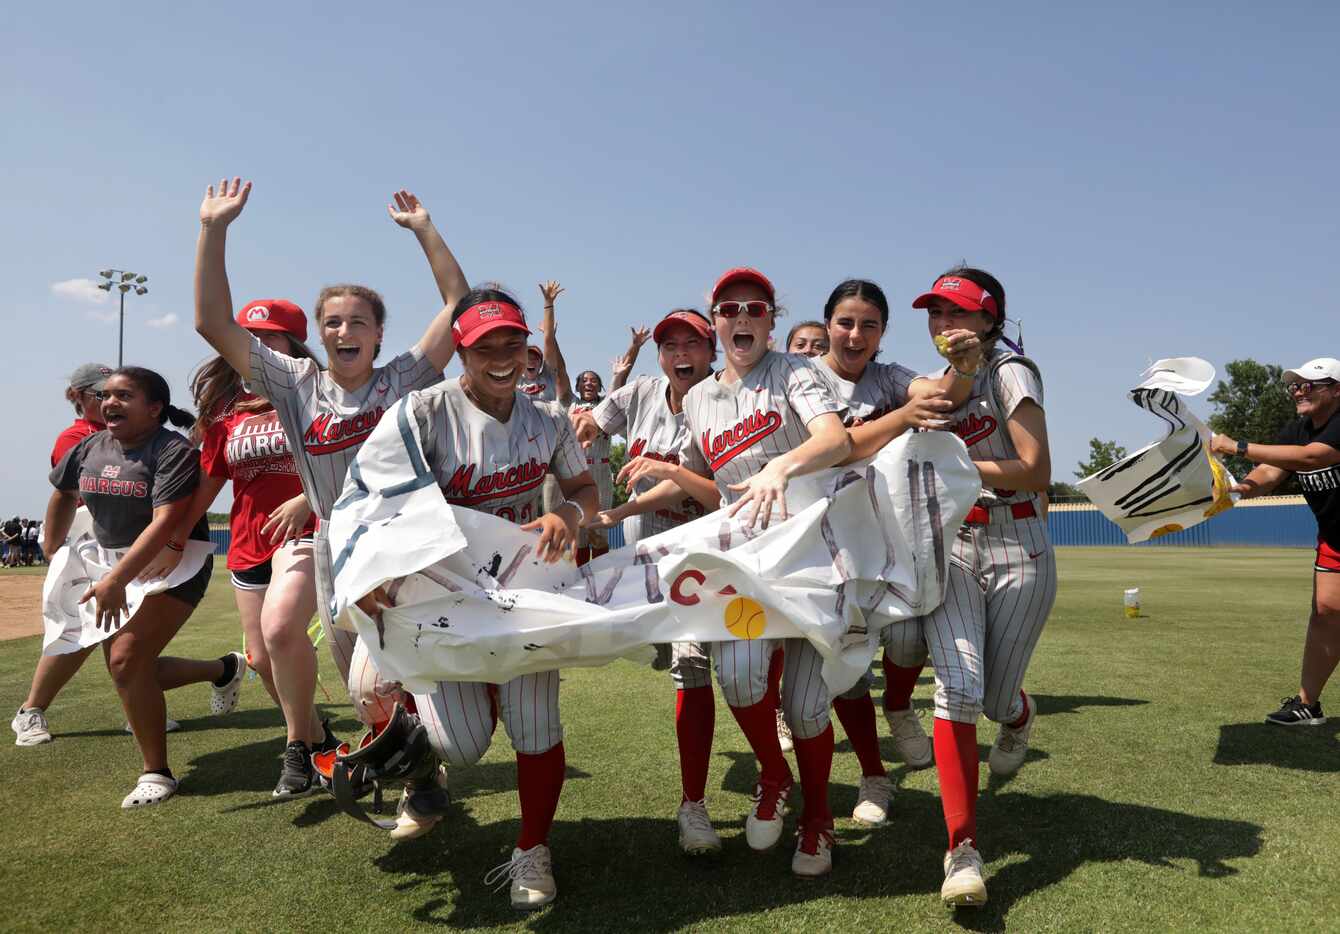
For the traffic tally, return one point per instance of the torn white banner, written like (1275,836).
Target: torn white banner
(865,546)
(1172,484)
(80,562)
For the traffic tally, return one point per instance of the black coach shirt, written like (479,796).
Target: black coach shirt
(122,488)
(1321,488)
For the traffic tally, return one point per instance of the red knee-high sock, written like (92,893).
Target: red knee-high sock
(956,761)
(1023,718)
(815,758)
(695,720)
(858,719)
(758,722)
(898,684)
(539,781)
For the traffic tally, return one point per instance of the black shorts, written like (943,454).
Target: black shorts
(253,578)
(193,590)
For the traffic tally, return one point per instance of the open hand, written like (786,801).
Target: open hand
(162,564)
(221,209)
(584,427)
(641,467)
(762,490)
(109,603)
(927,412)
(558,534)
(287,522)
(408,211)
(550,290)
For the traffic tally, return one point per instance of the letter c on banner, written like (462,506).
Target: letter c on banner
(676,589)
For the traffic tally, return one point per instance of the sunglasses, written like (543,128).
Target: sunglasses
(1303,389)
(97,394)
(732,309)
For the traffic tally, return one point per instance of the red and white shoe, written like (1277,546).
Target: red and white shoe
(814,850)
(763,826)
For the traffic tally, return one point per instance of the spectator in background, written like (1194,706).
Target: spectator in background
(808,338)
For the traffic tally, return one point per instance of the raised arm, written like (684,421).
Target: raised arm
(623,365)
(553,356)
(213,299)
(408,211)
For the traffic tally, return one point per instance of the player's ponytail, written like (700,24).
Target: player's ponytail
(155,389)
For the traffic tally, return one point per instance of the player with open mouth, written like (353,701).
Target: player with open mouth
(765,418)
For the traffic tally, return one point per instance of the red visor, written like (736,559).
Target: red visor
(274,314)
(744,274)
(964,293)
(478,320)
(699,326)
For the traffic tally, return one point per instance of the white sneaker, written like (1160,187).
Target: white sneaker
(696,835)
(1011,745)
(531,873)
(872,801)
(30,727)
(784,732)
(964,884)
(814,852)
(763,826)
(224,699)
(171,726)
(910,741)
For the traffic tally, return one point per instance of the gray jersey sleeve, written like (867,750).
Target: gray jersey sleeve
(612,414)
(412,370)
(277,376)
(568,460)
(1014,382)
(894,381)
(809,392)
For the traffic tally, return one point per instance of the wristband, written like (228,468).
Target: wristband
(581,513)
(962,373)
(1242,449)
(175,546)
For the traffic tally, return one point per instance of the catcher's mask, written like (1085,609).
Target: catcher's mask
(399,751)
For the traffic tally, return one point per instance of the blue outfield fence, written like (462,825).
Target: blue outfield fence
(1274,522)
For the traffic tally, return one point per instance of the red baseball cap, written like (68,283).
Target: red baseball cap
(744,274)
(274,314)
(963,292)
(680,316)
(478,320)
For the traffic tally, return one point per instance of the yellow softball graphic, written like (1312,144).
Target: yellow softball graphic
(745,619)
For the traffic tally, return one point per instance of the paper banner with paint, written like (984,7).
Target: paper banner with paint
(1172,484)
(865,546)
(81,561)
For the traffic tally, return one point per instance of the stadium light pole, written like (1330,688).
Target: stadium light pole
(123,282)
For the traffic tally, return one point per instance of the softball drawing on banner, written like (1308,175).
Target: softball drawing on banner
(745,618)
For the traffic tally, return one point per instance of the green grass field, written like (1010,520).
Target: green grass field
(1154,798)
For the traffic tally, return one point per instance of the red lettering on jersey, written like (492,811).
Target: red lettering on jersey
(463,490)
(722,448)
(975,428)
(639,449)
(534,389)
(327,434)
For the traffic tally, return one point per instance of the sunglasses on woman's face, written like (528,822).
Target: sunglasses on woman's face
(732,309)
(97,394)
(1305,389)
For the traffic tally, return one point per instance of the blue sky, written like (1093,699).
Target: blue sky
(1148,180)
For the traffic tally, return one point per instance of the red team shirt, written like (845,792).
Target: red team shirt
(71,436)
(251,449)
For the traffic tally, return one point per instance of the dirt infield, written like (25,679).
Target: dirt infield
(20,605)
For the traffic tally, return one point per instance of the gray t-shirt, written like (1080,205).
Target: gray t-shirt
(122,488)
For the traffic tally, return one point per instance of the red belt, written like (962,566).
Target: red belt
(981,515)
(603,460)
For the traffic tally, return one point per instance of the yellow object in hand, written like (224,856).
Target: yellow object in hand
(942,345)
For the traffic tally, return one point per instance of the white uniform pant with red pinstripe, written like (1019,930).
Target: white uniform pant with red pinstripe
(1001,587)
(742,670)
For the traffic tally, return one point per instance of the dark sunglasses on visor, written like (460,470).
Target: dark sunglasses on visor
(733,309)
(1307,387)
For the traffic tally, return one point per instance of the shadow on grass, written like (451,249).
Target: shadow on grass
(629,875)
(1305,748)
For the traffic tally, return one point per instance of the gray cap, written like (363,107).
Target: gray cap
(90,376)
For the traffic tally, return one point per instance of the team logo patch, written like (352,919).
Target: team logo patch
(490,311)
(259,313)
(111,471)
(950,285)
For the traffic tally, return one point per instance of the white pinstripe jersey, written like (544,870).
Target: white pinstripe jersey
(497,467)
(640,411)
(544,388)
(1005,380)
(881,389)
(736,429)
(598,457)
(325,424)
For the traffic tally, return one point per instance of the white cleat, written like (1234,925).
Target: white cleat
(784,733)
(814,852)
(224,699)
(964,885)
(763,826)
(910,741)
(1011,745)
(872,801)
(696,835)
(30,727)
(531,873)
